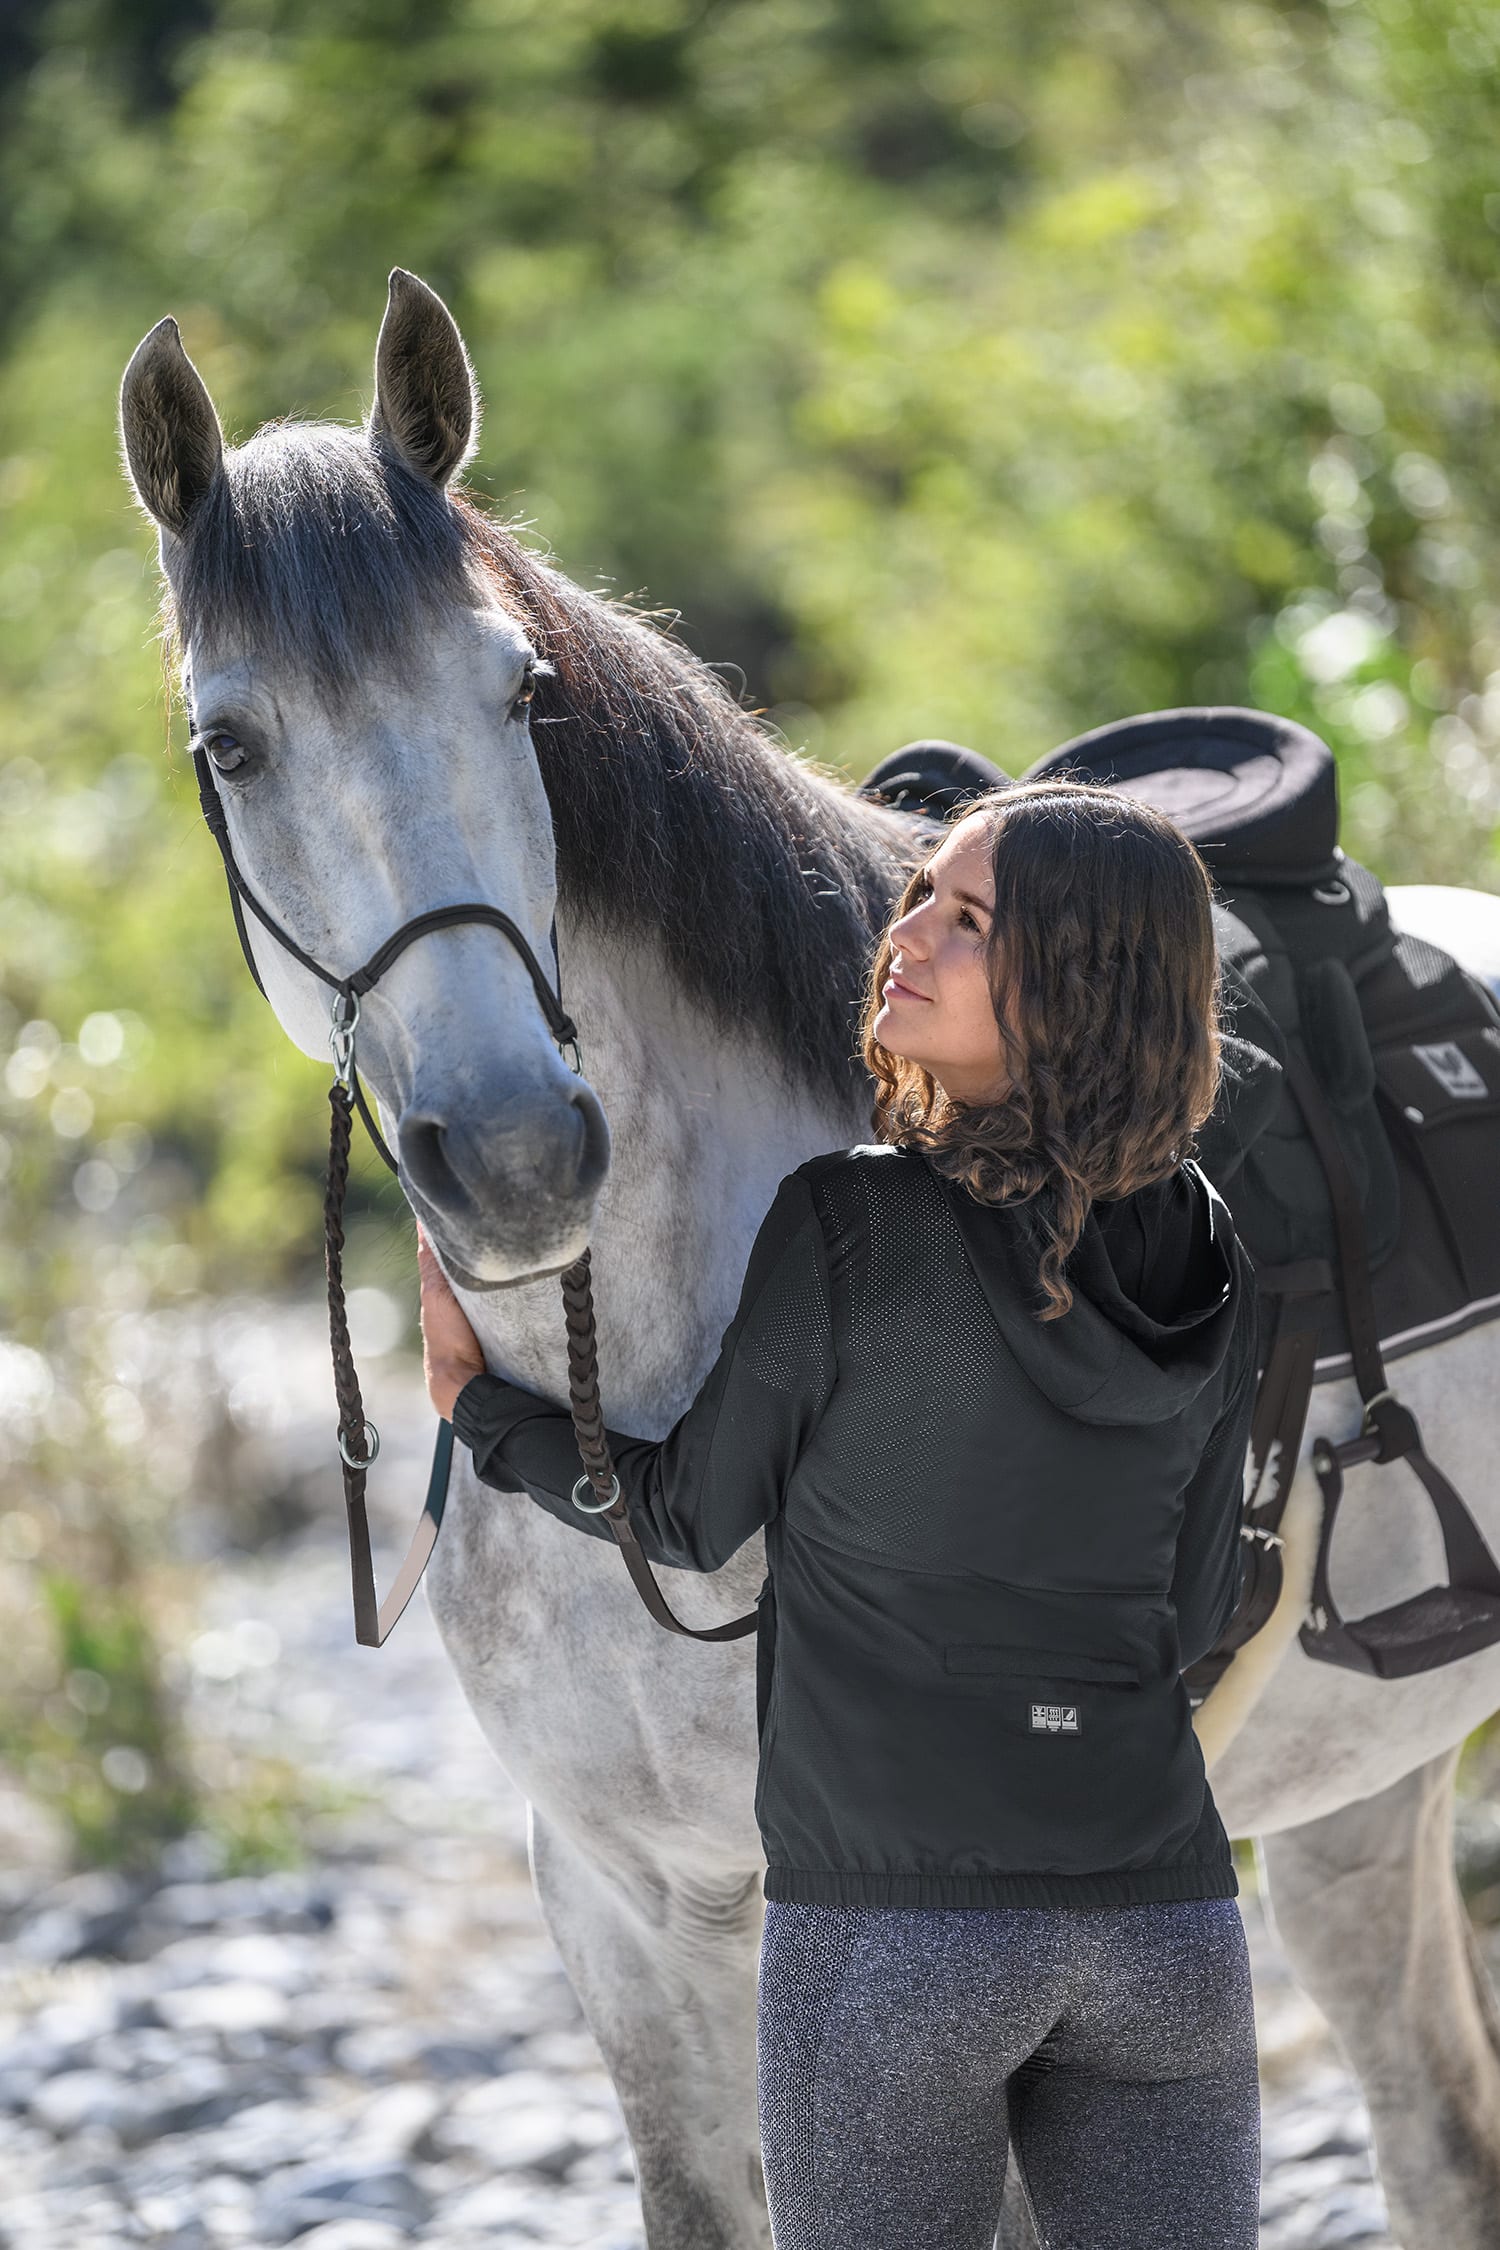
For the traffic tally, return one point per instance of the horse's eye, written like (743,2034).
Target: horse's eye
(527,691)
(225,749)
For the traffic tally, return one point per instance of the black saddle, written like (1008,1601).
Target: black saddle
(931,779)
(1360,1172)
(1258,795)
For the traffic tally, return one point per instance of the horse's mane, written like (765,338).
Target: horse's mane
(677,815)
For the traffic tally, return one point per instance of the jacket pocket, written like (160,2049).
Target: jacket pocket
(1037,1663)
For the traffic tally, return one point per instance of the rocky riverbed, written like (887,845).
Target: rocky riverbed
(380,2047)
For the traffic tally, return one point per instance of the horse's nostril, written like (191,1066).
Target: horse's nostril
(593,1155)
(423,1155)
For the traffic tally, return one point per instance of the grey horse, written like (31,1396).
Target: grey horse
(406,708)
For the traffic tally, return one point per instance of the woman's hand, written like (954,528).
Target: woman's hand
(450,1348)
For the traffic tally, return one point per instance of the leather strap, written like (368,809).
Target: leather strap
(651,1594)
(365,979)
(593,1447)
(1398,1430)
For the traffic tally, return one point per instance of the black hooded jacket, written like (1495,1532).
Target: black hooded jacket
(992,1544)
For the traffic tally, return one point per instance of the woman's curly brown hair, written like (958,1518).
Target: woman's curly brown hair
(1105,977)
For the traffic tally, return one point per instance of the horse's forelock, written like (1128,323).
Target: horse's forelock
(321,557)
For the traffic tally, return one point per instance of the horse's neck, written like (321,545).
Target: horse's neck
(701,1132)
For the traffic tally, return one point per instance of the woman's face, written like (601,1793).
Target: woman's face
(938,1011)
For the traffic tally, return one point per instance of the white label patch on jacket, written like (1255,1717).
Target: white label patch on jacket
(1452,1069)
(1054,1718)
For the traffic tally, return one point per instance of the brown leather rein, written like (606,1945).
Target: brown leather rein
(358,1439)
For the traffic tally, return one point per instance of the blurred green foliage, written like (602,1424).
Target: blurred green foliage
(977,368)
(106,1752)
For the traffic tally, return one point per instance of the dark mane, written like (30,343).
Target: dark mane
(677,817)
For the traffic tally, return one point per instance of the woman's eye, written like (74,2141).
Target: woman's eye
(225,749)
(924,890)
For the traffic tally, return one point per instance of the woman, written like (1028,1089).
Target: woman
(988,1393)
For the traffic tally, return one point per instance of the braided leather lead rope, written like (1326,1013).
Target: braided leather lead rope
(355,1434)
(352,1424)
(583,1384)
(588,1428)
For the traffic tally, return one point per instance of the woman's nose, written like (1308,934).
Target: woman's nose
(906,935)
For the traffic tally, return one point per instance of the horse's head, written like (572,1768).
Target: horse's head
(361,691)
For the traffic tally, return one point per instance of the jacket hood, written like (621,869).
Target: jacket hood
(1107,1359)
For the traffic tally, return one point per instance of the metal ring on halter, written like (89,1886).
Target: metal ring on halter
(1336,893)
(372,1440)
(341,1036)
(576,1065)
(599,1505)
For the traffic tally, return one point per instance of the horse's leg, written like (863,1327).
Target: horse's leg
(1368,1909)
(666,1976)
(1016,2230)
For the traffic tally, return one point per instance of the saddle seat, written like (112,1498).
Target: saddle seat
(1360,1173)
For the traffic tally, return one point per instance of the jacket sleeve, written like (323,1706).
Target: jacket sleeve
(699,1493)
(1209,1565)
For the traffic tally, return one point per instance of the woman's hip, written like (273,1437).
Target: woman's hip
(1161,1987)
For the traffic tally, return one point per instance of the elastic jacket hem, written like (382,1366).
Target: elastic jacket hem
(833,1886)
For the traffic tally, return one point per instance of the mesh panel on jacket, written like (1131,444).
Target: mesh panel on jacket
(787,1345)
(922,1369)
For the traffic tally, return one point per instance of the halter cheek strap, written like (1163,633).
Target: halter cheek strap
(365,980)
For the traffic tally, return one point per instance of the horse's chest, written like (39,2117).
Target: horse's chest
(589,1705)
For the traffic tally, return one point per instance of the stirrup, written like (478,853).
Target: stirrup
(1427,1629)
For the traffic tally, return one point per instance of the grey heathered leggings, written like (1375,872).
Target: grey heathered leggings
(902,2050)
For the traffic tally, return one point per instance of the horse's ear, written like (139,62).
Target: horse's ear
(426,397)
(173,444)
